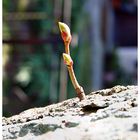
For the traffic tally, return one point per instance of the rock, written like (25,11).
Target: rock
(109,114)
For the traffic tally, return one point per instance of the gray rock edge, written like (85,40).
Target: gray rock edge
(114,109)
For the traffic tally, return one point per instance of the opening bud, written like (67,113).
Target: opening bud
(67,59)
(65,32)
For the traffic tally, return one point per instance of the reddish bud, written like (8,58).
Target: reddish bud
(65,32)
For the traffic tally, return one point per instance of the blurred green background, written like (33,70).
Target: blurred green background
(103,48)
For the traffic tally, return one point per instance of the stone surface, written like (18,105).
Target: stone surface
(109,114)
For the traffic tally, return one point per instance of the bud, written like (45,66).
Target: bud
(67,59)
(65,31)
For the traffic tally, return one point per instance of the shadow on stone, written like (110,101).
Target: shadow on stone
(92,108)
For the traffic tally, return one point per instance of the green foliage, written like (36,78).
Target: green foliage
(36,68)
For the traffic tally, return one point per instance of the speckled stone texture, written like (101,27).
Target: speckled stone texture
(109,114)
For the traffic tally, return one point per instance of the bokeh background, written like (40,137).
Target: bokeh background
(103,48)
